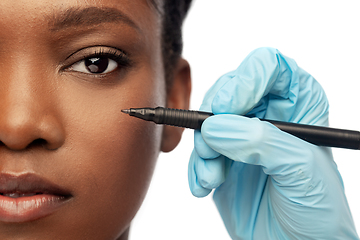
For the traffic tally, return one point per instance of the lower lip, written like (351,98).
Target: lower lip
(23,209)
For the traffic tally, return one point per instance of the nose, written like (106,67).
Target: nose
(28,115)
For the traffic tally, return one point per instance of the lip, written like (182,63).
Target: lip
(48,197)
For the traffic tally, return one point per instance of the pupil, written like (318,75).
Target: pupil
(96,65)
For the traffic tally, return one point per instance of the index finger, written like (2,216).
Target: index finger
(264,71)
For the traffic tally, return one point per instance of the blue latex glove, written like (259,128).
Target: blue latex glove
(269,184)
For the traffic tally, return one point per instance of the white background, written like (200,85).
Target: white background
(322,36)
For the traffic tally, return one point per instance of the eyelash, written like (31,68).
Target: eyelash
(116,55)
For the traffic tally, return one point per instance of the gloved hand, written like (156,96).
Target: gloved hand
(269,184)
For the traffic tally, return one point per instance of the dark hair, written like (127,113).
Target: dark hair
(174,13)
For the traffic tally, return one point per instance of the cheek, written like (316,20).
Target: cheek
(118,171)
(110,155)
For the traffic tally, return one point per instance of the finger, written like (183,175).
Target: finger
(195,187)
(271,84)
(202,149)
(205,175)
(307,102)
(262,72)
(211,173)
(259,143)
(209,96)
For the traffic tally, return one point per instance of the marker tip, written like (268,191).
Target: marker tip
(127,111)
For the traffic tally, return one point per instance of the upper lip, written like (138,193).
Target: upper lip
(29,183)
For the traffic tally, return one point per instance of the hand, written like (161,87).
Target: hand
(269,184)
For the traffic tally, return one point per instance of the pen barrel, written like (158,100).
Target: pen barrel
(321,136)
(180,118)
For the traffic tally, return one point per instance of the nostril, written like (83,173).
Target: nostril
(42,143)
(38,142)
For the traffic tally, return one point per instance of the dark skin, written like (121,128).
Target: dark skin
(64,124)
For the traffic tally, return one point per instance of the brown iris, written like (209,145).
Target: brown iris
(97,65)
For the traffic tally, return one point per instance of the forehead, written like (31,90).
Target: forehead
(139,14)
(60,4)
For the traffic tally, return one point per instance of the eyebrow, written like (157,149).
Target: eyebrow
(87,17)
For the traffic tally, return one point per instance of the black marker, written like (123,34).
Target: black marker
(321,136)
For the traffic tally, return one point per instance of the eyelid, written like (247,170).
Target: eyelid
(113,53)
(94,48)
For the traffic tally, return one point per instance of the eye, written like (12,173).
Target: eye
(95,65)
(97,61)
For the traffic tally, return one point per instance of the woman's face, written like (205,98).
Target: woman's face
(67,68)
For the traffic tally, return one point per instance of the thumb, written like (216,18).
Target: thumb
(289,160)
